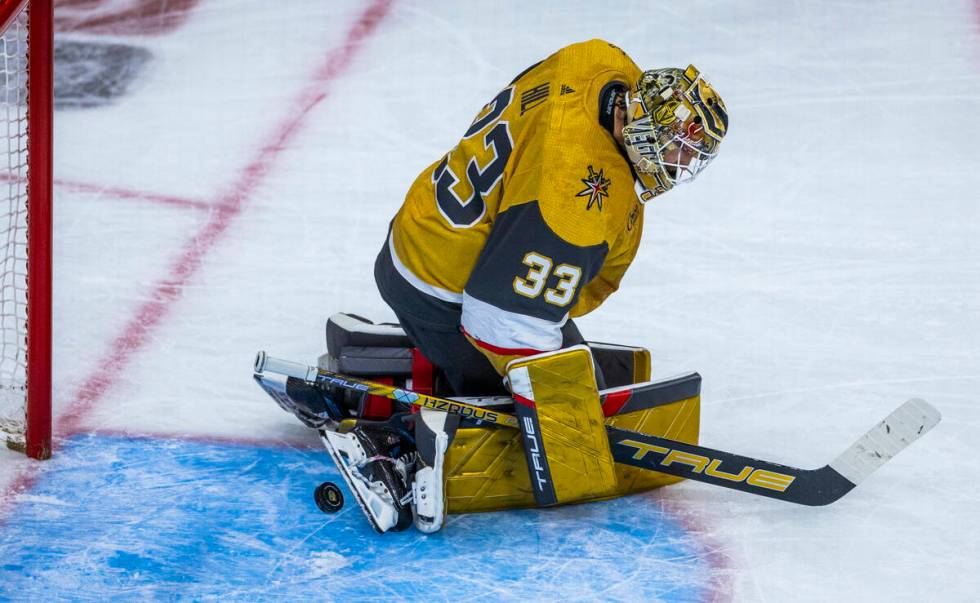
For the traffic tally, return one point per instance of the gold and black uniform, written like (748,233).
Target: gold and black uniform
(532,219)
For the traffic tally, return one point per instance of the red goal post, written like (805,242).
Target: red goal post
(26,182)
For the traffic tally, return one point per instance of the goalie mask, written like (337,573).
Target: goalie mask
(675,122)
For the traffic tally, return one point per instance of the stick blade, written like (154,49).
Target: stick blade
(904,425)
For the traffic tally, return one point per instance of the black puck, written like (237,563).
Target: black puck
(328,497)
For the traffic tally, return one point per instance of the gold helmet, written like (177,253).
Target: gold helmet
(675,122)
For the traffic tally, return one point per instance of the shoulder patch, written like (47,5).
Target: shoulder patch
(596,188)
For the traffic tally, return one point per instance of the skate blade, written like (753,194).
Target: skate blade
(342,467)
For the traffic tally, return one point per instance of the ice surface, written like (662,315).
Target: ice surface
(823,270)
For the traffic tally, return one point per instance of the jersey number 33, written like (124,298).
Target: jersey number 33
(497,145)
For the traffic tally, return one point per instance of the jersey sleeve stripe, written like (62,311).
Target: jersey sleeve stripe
(509,331)
(499,350)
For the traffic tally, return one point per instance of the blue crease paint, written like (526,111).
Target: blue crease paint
(121,517)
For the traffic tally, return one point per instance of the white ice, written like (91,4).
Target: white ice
(823,270)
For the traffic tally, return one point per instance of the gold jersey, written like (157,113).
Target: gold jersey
(536,213)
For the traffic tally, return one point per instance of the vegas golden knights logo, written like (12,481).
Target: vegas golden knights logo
(596,188)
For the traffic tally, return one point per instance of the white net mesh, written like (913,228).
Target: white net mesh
(13,230)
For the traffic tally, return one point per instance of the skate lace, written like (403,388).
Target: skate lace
(377,457)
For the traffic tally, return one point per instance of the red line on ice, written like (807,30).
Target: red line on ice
(225,209)
(123,193)
(118,193)
(132,17)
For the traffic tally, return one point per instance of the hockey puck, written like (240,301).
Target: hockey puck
(328,497)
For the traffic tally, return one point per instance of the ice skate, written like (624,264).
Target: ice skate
(373,461)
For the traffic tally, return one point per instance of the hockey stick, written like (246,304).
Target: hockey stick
(313,374)
(814,487)
(613,400)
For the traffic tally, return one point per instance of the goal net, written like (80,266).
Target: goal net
(26,61)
